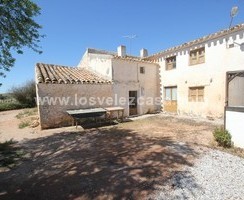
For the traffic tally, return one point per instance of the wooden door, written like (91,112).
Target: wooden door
(132,102)
(170,99)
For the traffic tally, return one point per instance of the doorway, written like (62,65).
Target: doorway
(170,99)
(132,102)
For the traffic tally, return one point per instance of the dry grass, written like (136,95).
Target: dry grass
(183,130)
(26,113)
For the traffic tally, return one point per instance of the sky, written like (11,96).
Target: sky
(75,25)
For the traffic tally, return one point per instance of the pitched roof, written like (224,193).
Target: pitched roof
(48,73)
(198,41)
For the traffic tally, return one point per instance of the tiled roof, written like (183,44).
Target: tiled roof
(48,73)
(133,59)
(198,41)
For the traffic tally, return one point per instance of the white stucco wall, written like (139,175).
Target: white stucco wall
(126,77)
(100,63)
(126,74)
(218,60)
(235,125)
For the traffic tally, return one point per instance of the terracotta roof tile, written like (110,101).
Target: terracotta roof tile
(48,73)
(132,59)
(198,41)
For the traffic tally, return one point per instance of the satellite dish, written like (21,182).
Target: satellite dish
(234,11)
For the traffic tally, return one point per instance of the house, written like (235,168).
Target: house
(188,79)
(102,79)
(133,77)
(193,75)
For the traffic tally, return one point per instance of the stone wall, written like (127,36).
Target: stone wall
(55,99)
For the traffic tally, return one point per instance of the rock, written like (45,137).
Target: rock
(34,124)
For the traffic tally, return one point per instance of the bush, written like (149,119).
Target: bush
(223,137)
(25,94)
(10,106)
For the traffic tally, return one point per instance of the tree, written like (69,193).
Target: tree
(17,30)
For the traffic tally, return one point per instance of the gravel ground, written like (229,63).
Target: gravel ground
(216,175)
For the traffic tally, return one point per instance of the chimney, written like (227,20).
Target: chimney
(143,53)
(122,51)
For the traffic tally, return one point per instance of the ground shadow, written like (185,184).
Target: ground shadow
(106,163)
(10,154)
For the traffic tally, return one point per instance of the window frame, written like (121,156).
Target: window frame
(199,56)
(170,63)
(170,88)
(142,70)
(196,94)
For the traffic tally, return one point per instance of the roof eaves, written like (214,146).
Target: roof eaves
(133,59)
(55,74)
(198,41)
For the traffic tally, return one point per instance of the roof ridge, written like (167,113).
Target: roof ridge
(55,65)
(113,53)
(135,59)
(101,51)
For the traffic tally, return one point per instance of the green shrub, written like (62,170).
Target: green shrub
(223,137)
(25,94)
(10,106)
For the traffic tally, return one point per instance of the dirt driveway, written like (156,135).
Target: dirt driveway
(127,161)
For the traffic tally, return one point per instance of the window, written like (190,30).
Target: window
(196,94)
(171,63)
(142,70)
(231,45)
(197,56)
(170,93)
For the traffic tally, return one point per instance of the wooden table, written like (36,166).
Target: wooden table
(118,110)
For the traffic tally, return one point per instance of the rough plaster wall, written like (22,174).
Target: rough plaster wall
(55,115)
(101,63)
(128,74)
(126,77)
(211,75)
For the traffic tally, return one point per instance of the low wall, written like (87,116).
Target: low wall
(234,123)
